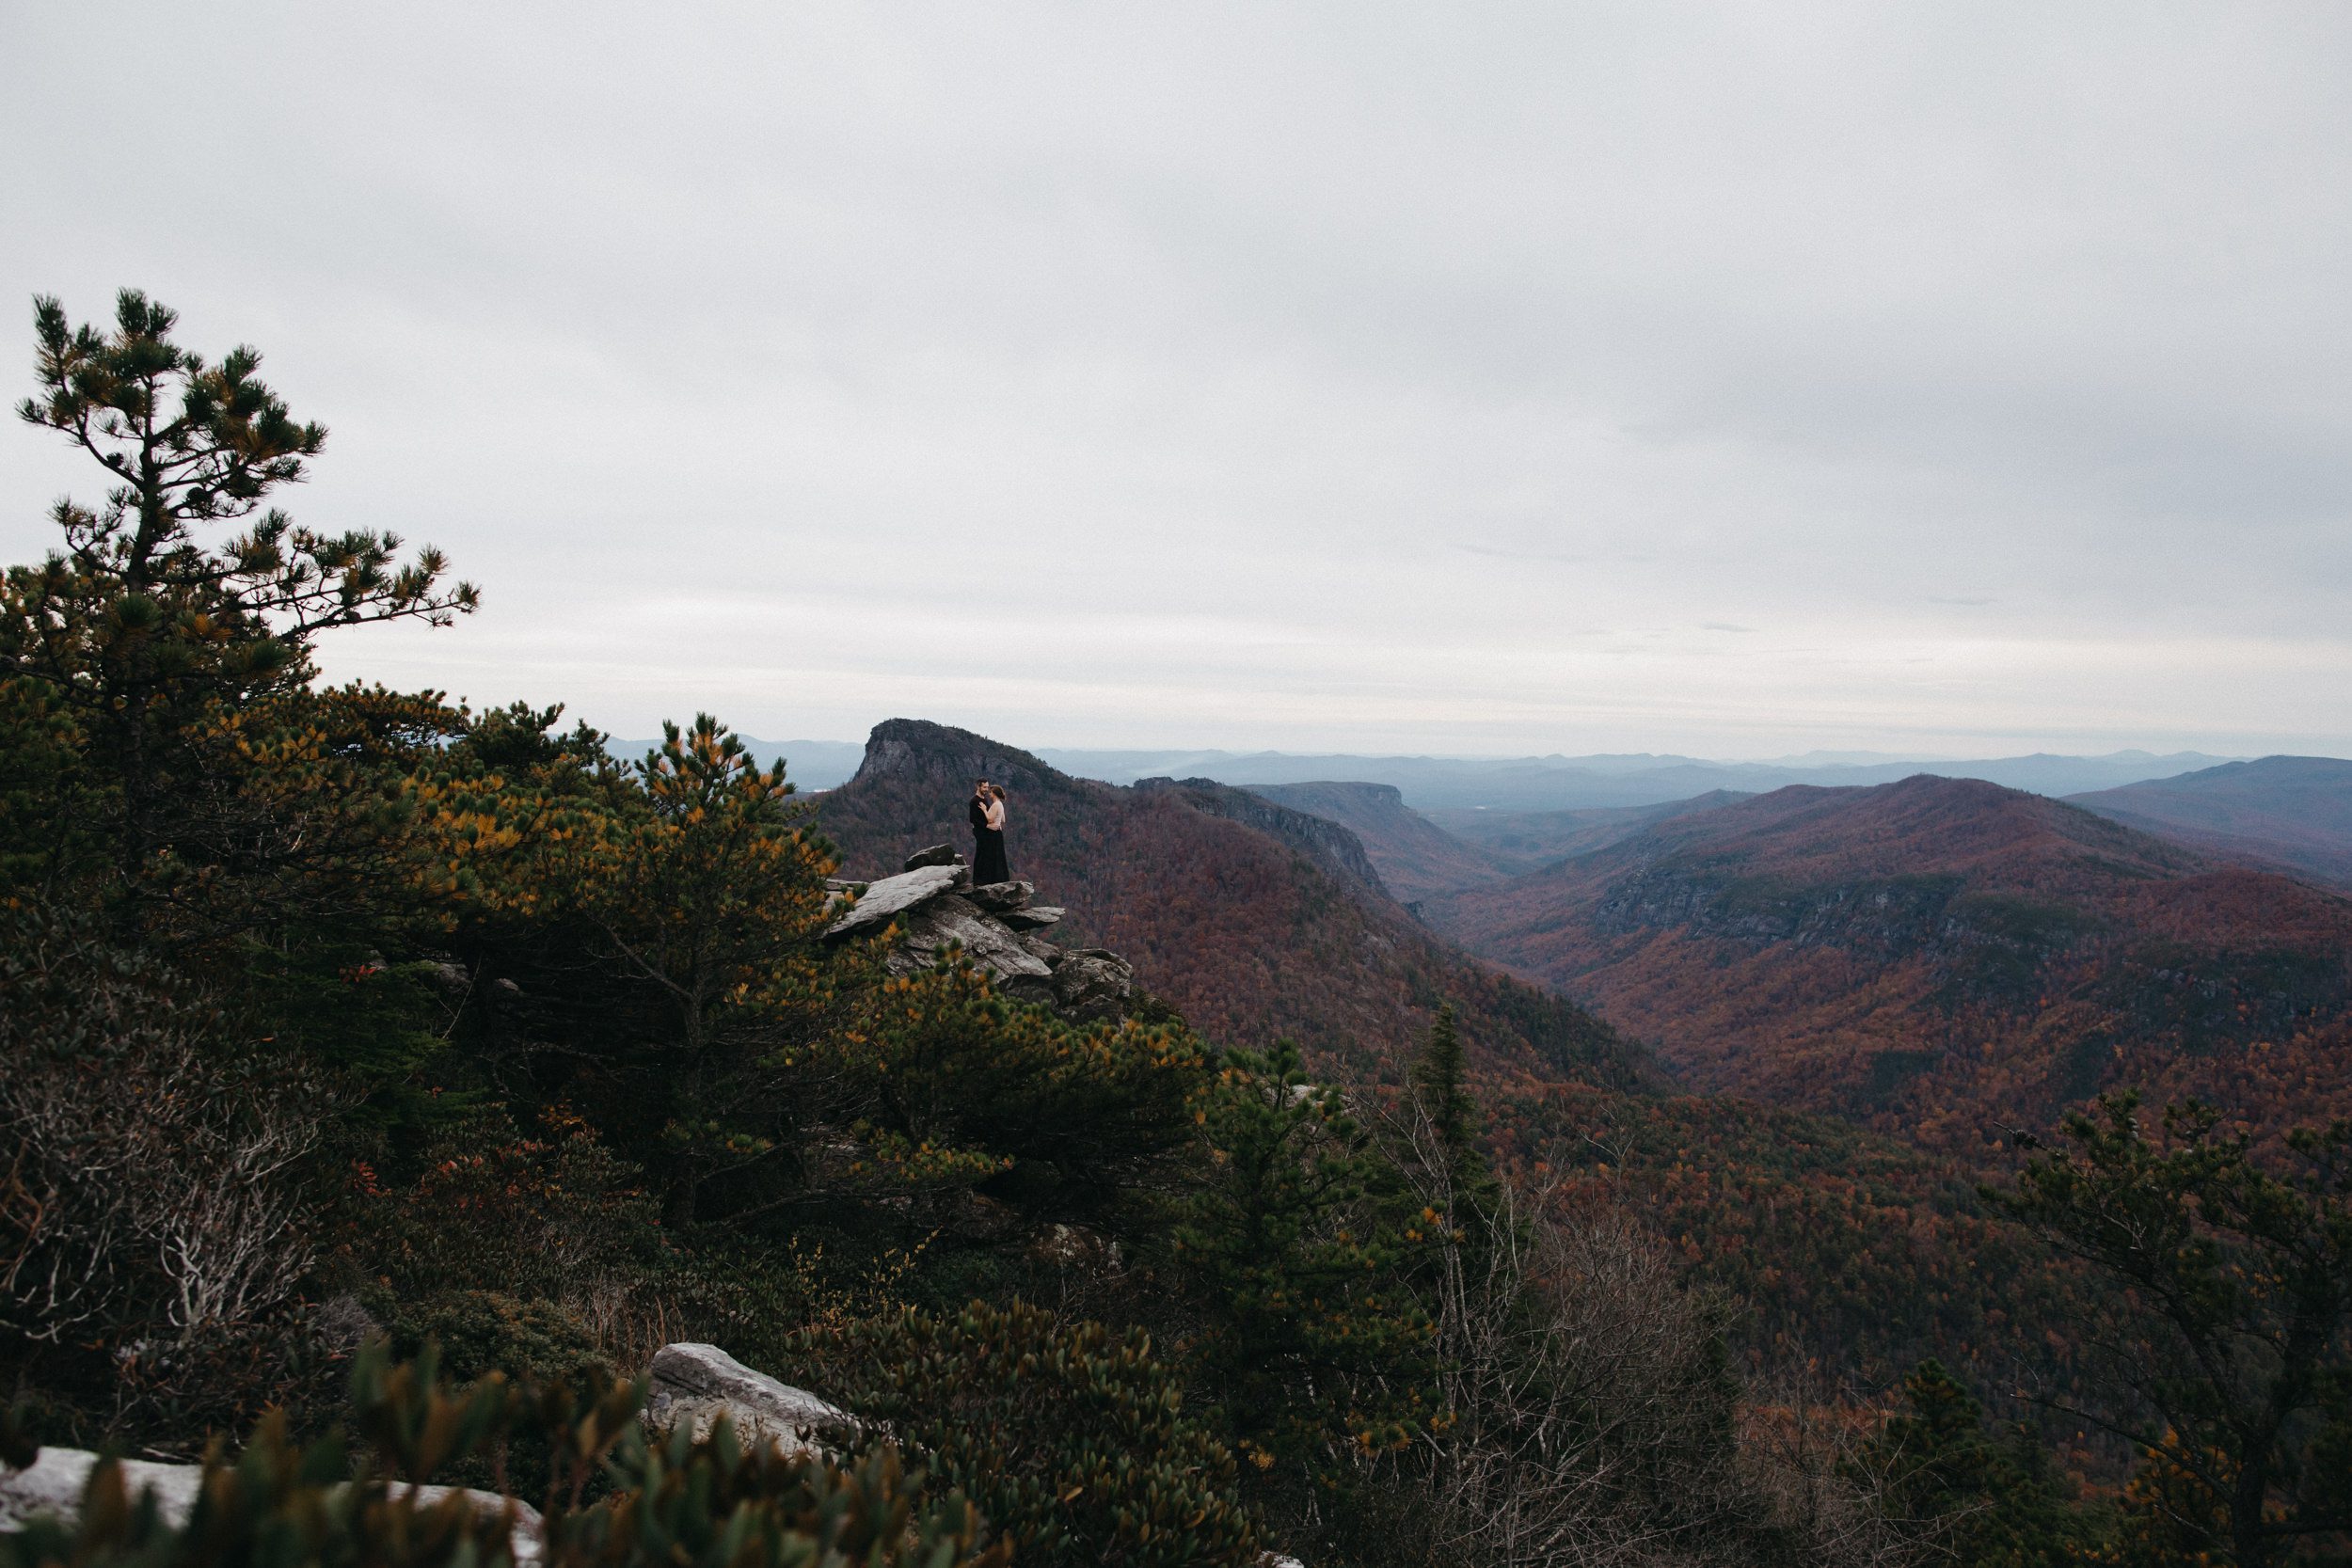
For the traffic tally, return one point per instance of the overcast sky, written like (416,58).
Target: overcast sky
(1477,378)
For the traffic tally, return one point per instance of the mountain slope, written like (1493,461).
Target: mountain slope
(1526,840)
(2289,811)
(1230,922)
(1939,958)
(1417,858)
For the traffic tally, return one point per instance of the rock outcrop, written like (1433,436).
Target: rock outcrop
(934,904)
(54,1482)
(699,1383)
(895,895)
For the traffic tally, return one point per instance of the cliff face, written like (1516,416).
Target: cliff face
(1416,858)
(1253,921)
(1334,847)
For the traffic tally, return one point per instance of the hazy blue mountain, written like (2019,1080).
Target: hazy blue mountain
(1524,840)
(2294,813)
(809,764)
(1615,780)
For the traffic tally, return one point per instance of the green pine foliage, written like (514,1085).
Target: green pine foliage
(610,1497)
(1075,1435)
(1314,1339)
(2226,1351)
(1975,1497)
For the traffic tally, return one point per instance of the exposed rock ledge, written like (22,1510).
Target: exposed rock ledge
(690,1383)
(57,1479)
(995,924)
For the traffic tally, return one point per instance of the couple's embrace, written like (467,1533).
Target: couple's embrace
(988,833)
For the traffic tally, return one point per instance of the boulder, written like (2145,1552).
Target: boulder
(1042,951)
(895,895)
(54,1481)
(1002,897)
(1094,983)
(701,1383)
(1035,918)
(938,854)
(987,943)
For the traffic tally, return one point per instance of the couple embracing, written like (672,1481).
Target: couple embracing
(988,833)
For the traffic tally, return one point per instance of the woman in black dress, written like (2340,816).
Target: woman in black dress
(988,835)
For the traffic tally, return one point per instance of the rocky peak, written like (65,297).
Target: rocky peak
(942,758)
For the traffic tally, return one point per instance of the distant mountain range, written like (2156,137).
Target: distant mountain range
(2293,813)
(1524,840)
(1415,857)
(1547,783)
(1939,959)
(1574,783)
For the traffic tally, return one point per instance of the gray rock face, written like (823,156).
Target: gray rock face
(987,943)
(938,854)
(1035,918)
(894,896)
(1002,897)
(54,1481)
(1042,951)
(1093,984)
(701,1383)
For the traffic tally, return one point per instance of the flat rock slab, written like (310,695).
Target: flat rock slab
(54,1482)
(702,1383)
(895,895)
(986,942)
(1035,918)
(938,854)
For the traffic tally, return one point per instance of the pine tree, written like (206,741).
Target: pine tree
(2224,1354)
(1975,1497)
(1455,1179)
(1317,1334)
(137,625)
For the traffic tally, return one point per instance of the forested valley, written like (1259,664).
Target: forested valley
(384,1082)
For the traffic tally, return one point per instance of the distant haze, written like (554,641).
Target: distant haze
(1517,784)
(1498,379)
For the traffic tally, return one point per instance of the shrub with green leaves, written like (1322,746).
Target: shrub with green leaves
(1071,1438)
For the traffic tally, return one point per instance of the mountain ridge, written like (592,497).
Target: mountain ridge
(2287,811)
(1936,958)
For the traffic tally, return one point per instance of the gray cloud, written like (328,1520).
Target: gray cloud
(1312,376)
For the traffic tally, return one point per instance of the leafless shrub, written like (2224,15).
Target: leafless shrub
(1594,1420)
(150,1192)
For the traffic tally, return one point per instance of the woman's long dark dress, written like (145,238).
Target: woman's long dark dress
(988,848)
